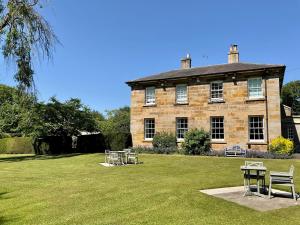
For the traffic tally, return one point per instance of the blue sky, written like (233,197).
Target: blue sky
(105,43)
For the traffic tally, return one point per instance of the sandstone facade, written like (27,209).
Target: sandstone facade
(236,108)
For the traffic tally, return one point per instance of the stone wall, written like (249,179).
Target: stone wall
(236,109)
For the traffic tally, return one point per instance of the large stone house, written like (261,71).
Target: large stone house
(238,103)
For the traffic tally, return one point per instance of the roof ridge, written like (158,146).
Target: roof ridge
(207,70)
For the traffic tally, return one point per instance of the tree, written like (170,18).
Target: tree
(24,32)
(65,118)
(116,128)
(290,95)
(16,111)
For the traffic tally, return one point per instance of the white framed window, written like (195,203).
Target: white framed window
(290,133)
(216,90)
(256,128)
(150,96)
(149,130)
(181,127)
(217,128)
(255,87)
(181,94)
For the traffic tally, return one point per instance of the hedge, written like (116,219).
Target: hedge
(16,145)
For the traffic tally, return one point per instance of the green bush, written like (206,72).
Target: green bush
(4,135)
(281,145)
(16,145)
(164,140)
(164,143)
(196,142)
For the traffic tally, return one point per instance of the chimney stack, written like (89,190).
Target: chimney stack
(233,55)
(186,63)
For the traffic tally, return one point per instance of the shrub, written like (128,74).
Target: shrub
(4,135)
(151,150)
(164,143)
(16,145)
(196,142)
(266,155)
(143,149)
(281,145)
(164,140)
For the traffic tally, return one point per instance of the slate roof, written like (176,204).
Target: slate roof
(207,70)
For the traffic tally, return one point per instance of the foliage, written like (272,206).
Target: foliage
(267,155)
(281,145)
(116,128)
(67,118)
(16,111)
(164,143)
(24,32)
(157,150)
(196,142)
(164,140)
(290,95)
(16,145)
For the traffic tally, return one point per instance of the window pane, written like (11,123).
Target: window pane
(181,93)
(255,87)
(217,128)
(150,95)
(216,90)
(256,128)
(181,127)
(149,128)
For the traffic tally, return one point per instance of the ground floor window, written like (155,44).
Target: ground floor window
(217,128)
(290,133)
(181,127)
(149,129)
(256,128)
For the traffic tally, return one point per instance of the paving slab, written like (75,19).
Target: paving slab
(280,199)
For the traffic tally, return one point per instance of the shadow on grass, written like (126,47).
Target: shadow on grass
(36,157)
(2,195)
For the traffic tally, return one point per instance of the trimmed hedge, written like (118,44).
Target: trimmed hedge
(16,145)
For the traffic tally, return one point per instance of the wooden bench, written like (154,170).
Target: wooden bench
(235,151)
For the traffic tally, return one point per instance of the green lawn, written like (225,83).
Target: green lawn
(163,190)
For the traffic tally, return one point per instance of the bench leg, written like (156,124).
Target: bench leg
(270,188)
(294,193)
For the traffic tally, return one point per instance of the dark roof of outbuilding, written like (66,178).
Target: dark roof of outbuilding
(207,70)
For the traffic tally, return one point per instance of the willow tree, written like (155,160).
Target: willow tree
(24,34)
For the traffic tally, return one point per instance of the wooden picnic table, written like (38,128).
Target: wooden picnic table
(258,170)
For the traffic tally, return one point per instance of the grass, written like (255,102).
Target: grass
(75,189)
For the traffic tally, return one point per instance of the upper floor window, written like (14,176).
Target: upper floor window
(290,133)
(149,129)
(256,128)
(181,94)
(255,88)
(150,96)
(217,128)
(216,90)
(181,127)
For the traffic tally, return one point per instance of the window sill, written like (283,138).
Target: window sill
(179,104)
(216,101)
(256,143)
(218,142)
(149,105)
(148,140)
(180,140)
(255,99)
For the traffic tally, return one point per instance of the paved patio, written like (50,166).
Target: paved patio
(280,200)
